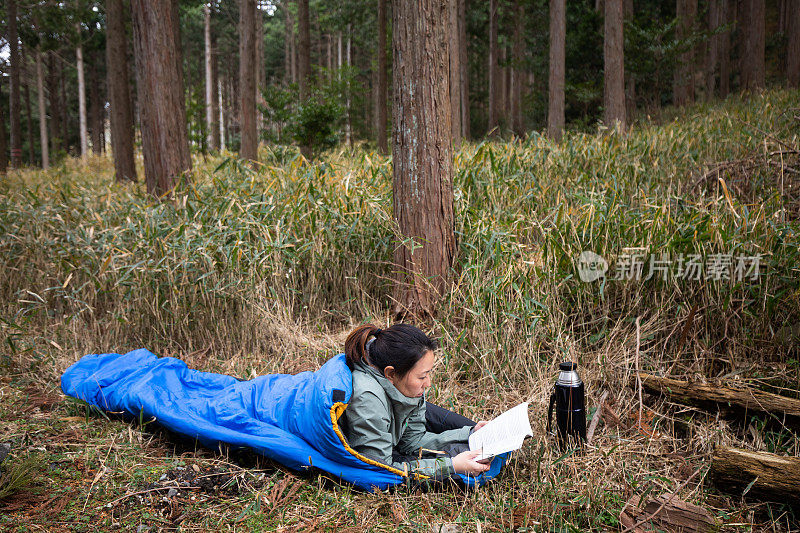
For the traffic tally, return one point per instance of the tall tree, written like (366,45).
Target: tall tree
(247,79)
(683,82)
(614,65)
(28,113)
(712,57)
(14,99)
(53,76)
(96,104)
(724,50)
(121,117)
(304,59)
(464,66)
(3,140)
(209,86)
(494,68)
(422,155)
(455,72)
(42,111)
(517,72)
(793,46)
(752,25)
(84,132)
(165,144)
(558,31)
(382,96)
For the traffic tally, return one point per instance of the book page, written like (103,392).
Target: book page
(503,434)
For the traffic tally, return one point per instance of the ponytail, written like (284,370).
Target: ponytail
(355,347)
(399,346)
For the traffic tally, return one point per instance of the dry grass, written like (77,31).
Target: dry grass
(250,273)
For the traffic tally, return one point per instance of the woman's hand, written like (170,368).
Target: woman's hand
(479,425)
(465,463)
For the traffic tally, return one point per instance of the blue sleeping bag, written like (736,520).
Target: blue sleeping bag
(292,419)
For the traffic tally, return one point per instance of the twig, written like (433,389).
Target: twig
(638,377)
(126,496)
(595,418)
(668,500)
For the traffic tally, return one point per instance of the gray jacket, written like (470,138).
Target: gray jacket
(381,419)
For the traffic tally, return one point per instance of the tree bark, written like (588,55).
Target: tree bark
(464,66)
(382,96)
(165,144)
(422,155)
(752,24)
(119,96)
(84,133)
(614,65)
(209,85)
(216,101)
(713,396)
(3,141)
(724,49)
(42,111)
(96,105)
(14,99)
(558,31)
(28,114)
(517,73)
(630,81)
(764,475)
(494,69)
(53,98)
(793,46)
(247,81)
(712,58)
(304,58)
(683,83)
(455,72)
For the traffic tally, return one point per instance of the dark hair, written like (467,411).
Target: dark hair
(399,346)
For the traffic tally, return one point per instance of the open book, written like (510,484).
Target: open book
(503,434)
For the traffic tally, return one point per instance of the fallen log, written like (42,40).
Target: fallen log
(665,513)
(726,399)
(760,475)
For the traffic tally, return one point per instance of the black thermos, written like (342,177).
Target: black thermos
(568,399)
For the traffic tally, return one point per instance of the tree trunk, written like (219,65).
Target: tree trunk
(683,83)
(81,98)
(558,31)
(764,475)
(119,96)
(517,74)
(382,95)
(793,46)
(712,58)
(724,50)
(630,81)
(28,114)
(247,81)
(165,144)
(423,156)
(613,56)
(752,24)
(494,69)
(96,105)
(14,99)
(42,111)
(3,141)
(464,66)
(455,72)
(348,130)
(222,114)
(304,58)
(209,85)
(216,102)
(52,91)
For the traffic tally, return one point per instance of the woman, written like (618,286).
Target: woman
(387,415)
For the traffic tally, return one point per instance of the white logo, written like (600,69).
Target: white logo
(591,266)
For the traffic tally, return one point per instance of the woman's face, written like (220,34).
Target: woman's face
(417,380)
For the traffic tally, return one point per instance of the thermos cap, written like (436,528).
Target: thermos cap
(568,377)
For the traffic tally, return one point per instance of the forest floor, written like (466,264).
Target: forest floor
(253,272)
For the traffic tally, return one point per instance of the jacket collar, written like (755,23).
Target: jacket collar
(401,404)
